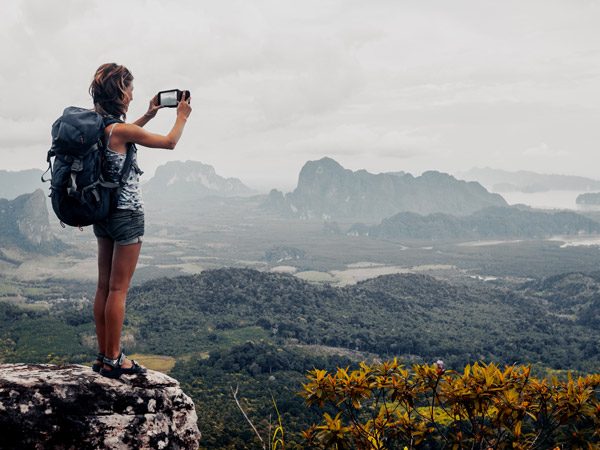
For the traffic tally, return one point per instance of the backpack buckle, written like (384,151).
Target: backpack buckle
(77,165)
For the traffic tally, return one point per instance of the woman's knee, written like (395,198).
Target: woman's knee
(102,289)
(118,290)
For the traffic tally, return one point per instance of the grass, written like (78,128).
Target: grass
(160,363)
(8,290)
(36,291)
(316,276)
(195,355)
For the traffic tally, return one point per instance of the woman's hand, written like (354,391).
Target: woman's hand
(153,107)
(183,107)
(135,132)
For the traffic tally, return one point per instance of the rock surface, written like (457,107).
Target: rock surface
(46,406)
(25,224)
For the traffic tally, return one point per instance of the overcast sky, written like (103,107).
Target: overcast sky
(379,85)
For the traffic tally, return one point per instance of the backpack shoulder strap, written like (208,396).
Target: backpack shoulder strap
(109,120)
(127,164)
(112,128)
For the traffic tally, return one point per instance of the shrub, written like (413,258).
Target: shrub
(387,406)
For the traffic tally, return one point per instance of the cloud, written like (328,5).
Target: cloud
(426,82)
(352,140)
(24,133)
(543,150)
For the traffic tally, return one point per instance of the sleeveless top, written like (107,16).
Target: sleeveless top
(131,193)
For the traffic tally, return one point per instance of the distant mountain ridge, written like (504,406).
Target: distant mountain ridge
(25,224)
(527,181)
(326,190)
(180,181)
(15,183)
(488,223)
(589,198)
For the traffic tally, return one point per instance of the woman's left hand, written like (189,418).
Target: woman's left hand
(153,107)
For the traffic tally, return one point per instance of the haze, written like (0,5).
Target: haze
(384,86)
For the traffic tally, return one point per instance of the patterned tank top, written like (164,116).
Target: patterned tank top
(131,193)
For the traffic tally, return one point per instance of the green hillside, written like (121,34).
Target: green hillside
(415,316)
(263,331)
(487,223)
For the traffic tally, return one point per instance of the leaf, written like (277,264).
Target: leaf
(518,428)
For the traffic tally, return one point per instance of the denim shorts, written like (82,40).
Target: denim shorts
(124,226)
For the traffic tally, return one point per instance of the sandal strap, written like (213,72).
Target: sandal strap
(114,363)
(136,364)
(135,368)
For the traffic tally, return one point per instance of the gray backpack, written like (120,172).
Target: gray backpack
(80,195)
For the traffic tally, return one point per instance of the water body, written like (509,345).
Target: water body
(577,241)
(547,200)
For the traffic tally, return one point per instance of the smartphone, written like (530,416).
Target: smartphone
(171,97)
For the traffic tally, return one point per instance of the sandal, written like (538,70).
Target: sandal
(97,366)
(117,370)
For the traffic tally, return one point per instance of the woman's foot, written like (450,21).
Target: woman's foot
(114,368)
(99,362)
(127,364)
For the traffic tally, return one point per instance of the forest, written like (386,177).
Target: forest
(263,332)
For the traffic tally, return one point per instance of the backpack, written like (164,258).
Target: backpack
(80,195)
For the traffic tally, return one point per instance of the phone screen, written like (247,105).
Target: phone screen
(168,98)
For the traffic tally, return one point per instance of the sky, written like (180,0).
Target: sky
(376,85)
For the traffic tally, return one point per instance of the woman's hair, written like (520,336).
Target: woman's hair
(108,89)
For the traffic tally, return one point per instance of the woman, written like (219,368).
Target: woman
(120,235)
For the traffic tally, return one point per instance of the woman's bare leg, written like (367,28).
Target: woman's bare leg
(124,260)
(105,254)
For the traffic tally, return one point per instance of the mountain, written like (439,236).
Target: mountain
(25,225)
(15,183)
(528,182)
(183,181)
(326,190)
(488,223)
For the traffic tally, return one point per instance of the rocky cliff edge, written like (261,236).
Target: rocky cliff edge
(46,406)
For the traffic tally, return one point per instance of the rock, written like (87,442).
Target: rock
(182,182)
(47,406)
(327,191)
(25,224)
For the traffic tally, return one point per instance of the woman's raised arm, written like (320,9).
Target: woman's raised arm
(135,133)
